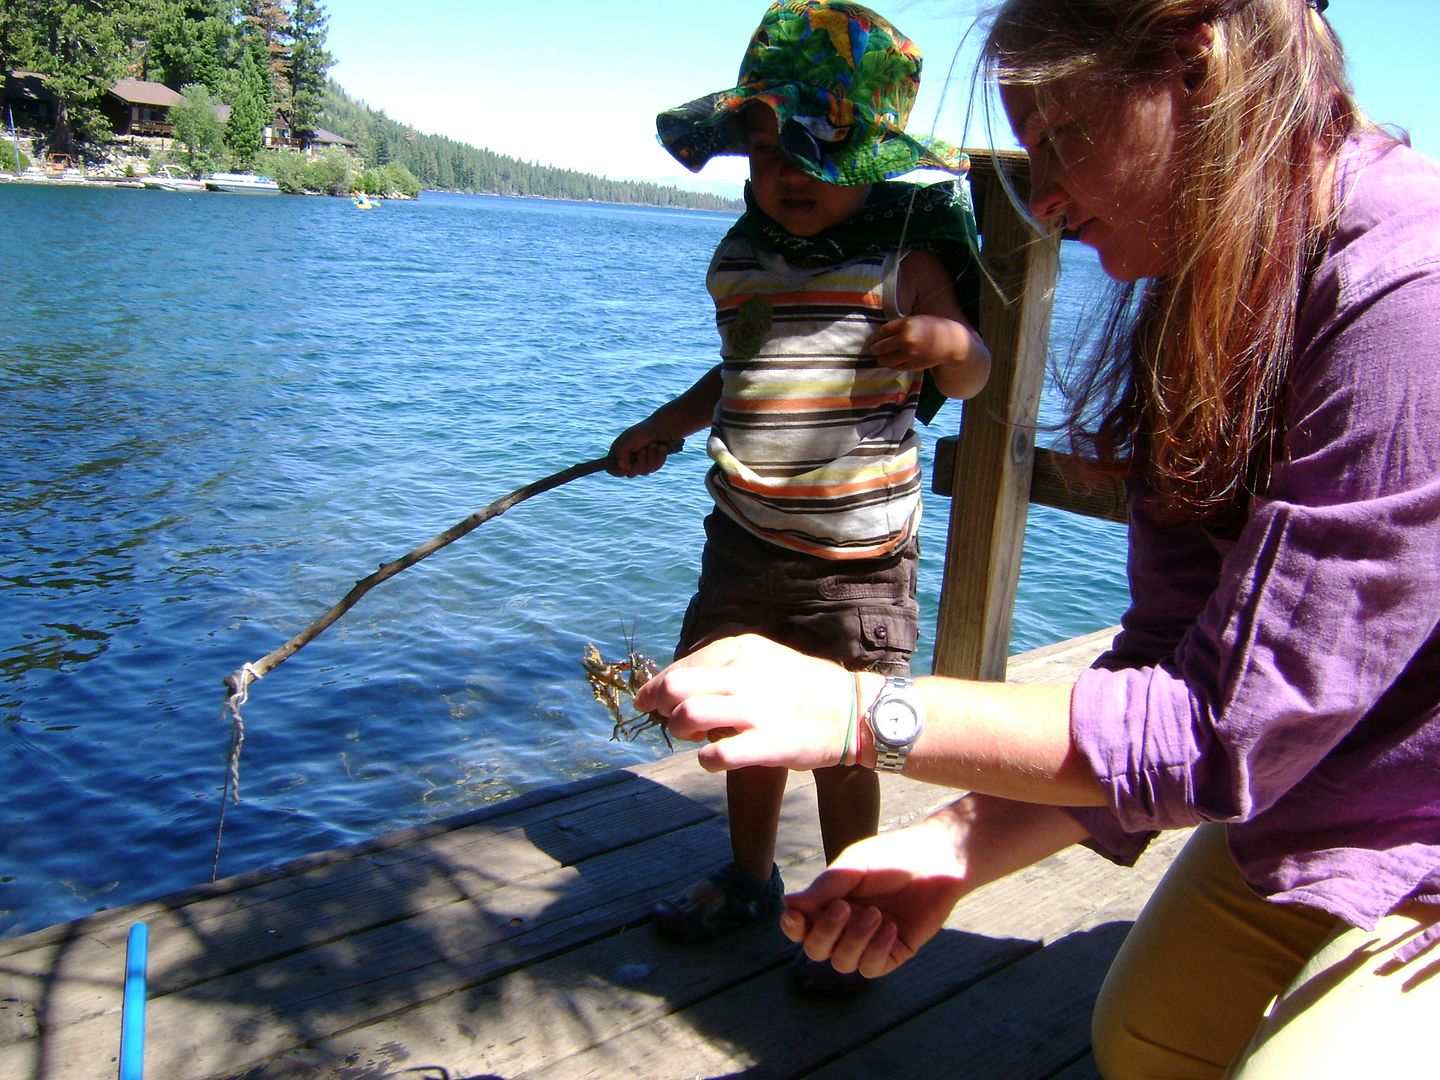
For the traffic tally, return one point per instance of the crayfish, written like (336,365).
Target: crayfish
(614,681)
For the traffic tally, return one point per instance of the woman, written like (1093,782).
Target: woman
(1267,386)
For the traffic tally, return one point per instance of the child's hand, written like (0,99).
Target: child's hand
(917,342)
(638,451)
(946,347)
(935,336)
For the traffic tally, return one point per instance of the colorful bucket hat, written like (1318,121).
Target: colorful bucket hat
(841,80)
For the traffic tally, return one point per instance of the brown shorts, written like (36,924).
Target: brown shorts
(860,613)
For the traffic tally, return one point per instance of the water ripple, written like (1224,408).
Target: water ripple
(218,414)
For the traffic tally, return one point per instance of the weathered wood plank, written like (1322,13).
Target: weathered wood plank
(1057,480)
(511,942)
(1061,661)
(315,922)
(725,1034)
(990,492)
(1026,1023)
(218,934)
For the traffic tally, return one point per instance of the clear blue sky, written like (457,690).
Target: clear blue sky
(577,83)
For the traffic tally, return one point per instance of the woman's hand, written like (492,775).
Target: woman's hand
(874,907)
(758,702)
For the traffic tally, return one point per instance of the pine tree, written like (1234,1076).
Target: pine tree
(249,111)
(268,22)
(19,21)
(308,63)
(81,49)
(189,41)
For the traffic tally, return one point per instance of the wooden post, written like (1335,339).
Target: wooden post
(990,486)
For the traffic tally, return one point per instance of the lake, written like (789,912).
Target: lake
(220,412)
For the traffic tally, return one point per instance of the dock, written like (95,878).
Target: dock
(514,942)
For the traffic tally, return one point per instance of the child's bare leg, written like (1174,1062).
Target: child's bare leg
(754,796)
(747,889)
(849,801)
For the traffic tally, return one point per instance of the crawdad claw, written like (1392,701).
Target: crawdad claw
(611,682)
(606,680)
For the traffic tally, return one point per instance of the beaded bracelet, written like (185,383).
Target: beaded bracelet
(850,729)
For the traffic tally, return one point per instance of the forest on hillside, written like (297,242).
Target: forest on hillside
(446,164)
(258,64)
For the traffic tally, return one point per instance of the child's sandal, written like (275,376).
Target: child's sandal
(728,900)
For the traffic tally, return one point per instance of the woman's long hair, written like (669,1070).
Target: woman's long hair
(1183,388)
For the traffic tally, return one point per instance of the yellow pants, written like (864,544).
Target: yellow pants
(1214,981)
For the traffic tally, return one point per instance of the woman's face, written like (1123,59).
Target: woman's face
(1105,162)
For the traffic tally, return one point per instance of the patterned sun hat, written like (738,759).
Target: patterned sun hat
(841,80)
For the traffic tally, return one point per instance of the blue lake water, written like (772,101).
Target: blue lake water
(219,412)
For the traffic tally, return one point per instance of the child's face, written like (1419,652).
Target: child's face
(802,205)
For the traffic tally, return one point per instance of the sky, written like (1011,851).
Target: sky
(577,83)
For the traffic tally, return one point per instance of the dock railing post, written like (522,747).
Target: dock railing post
(995,452)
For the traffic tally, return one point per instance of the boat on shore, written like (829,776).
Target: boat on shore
(241,183)
(173,178)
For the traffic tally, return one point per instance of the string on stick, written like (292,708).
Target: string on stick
(238,682)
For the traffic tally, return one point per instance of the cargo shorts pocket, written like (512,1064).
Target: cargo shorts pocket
(888,636)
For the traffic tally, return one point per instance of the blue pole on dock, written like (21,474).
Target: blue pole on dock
(132,1010)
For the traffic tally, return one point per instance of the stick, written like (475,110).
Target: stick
(239,679)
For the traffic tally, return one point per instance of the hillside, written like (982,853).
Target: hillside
(242,68)
(440,162)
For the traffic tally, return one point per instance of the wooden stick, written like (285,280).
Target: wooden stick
(239,679)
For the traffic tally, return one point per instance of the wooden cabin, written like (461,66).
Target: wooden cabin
(28,102)
(514,942)
(138,107)
(281,134)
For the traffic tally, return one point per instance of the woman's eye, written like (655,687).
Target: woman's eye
(1062,142)
(1044,139)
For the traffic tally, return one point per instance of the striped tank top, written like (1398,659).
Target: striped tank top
(813,444)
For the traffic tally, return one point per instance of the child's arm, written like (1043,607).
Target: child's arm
(935,336)
(642,449)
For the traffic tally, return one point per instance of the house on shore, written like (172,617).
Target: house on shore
(137,107)
(28,102)
(280,134)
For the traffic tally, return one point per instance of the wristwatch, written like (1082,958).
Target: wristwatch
(896,720)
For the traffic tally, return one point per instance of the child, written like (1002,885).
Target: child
(833,303)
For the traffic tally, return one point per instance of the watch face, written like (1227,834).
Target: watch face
(895,721)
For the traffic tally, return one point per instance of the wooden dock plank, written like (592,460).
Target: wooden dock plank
(762,1028)
(514,941)
(1030,1020)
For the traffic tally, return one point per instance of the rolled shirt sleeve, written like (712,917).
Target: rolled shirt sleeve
(1288,677)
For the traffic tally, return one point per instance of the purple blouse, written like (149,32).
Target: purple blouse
(1286,680)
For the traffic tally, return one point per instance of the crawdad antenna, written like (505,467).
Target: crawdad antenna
(238,682)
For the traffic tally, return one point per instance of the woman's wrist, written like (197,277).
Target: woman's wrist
(868,685)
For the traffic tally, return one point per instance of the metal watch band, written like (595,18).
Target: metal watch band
(889,758)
